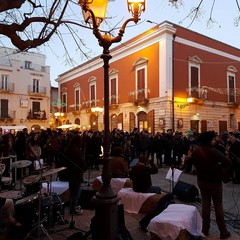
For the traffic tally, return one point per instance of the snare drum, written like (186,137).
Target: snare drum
(32,183)
(27,199)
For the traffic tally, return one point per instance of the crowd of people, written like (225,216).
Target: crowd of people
(168,147)
(81,151)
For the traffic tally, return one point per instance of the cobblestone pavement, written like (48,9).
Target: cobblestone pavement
(231,201)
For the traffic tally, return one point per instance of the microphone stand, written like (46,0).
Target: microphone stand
(172,181)
(80,233)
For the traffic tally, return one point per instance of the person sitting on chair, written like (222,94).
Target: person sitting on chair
(118,165)
(140,175)
(7,214)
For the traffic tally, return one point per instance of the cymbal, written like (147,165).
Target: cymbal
(52,171)
(21,164)
(6,179)
(11,194)
(43,169)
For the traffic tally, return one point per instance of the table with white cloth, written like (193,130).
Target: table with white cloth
(131,200)
(176,217)
(116,183)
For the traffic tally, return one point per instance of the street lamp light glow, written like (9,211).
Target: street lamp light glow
(136,7)
(98,7)
(97,109)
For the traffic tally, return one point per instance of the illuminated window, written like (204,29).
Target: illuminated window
(194,76)
(231,83)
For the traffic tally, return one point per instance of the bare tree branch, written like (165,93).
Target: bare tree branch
(10,4)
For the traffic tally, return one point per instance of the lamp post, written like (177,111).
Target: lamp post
(59,105)
(97,111)
(105,201)
(59,116)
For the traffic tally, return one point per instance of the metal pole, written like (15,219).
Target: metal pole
(105,201)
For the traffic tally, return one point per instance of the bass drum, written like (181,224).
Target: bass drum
(51,209)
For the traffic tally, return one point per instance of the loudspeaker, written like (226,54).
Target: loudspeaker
(185,191)
(87,193)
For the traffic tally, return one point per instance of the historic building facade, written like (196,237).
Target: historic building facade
(24,89)
(167,77)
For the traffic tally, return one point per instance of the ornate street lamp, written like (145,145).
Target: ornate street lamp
(97,111)
(59,114)
(94,12)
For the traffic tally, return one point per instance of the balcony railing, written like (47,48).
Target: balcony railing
(40,115)
(5,62)
(113,102)
(37,89)
(139,96)
(35,67)
(8,115)
(89,104)
(9,87)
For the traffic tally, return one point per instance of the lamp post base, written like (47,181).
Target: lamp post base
(106,218)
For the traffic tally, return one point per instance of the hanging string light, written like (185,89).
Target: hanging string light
(204,90)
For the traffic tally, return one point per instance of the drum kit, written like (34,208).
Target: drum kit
(34,209)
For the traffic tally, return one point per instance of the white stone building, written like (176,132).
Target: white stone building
(24,89)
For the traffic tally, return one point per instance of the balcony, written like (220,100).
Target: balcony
(232,104)
(88,104)
(38,115)
(36,90)
(7,88)
(5,62)
(76,112)
(10,115)
(139,97)
(113,102)
(35,67)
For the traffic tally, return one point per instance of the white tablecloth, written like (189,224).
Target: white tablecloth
(116,183)
(131,200)
(168,224)
(58,187)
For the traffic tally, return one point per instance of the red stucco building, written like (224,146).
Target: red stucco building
(167,77)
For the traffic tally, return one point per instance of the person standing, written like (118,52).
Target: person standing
(207,159)
(75,168)
(234,155)
(33,150)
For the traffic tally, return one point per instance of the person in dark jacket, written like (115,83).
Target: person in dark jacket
(140,175)
(207,160)
(234,155)
(75,168)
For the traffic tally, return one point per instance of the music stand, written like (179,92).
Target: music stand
(173,175)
